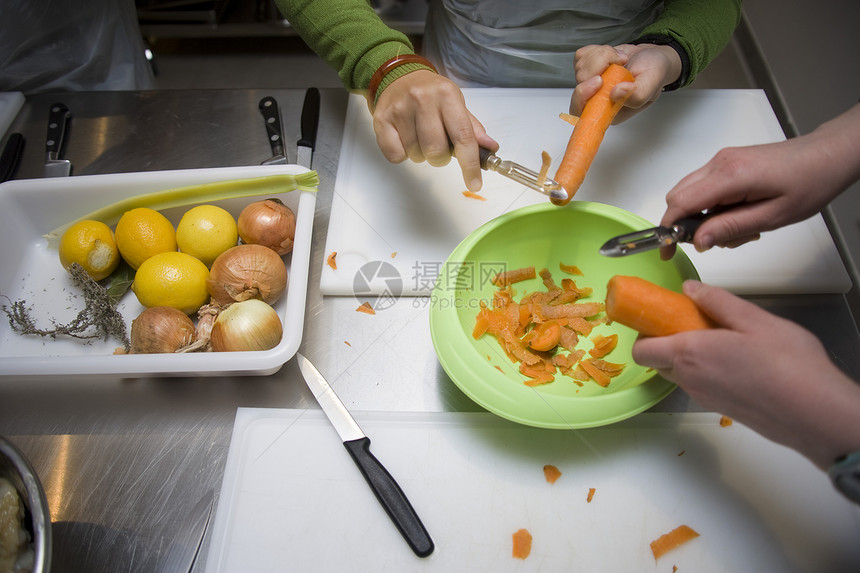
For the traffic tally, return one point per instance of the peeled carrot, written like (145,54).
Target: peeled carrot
(651,309)
(597,115)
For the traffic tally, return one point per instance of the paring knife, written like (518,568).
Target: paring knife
(387,491)
(58,121)
(520,174)
(274,129)
(655,237)
(309,123)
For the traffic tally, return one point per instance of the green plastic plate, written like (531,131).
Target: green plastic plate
(544,236)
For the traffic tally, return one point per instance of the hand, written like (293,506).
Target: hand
(764,187)
(420,115)
(652,67)
(764,371)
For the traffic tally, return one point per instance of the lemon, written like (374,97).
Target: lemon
(142,233)
(205,232)
(172,279)
(91,244)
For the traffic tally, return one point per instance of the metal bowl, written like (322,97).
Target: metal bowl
(37,519)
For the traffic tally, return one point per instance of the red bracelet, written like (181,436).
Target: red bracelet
(394,62)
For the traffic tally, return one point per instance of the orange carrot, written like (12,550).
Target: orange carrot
(651,309)
(596,374)
(725,421)
(473,195)
(514,276)
(570,269)
(332,260)
(522,544)
(551,473)
(597,115)
(591,491)
(546,336)
(671,540)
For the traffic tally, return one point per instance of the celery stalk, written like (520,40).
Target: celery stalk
(193,194)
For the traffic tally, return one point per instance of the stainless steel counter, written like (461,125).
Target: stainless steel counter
(124,460)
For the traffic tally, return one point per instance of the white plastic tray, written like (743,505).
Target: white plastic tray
(32,272)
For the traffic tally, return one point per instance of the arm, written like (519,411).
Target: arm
(668,54)
(415,111)
(768,186)
(764,371)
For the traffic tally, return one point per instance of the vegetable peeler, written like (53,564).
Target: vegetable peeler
(522,175)
(653,238)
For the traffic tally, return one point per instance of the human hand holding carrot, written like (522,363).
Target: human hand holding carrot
(762,370)
(652,67)
(420,115)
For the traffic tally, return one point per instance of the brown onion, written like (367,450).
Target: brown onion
(269,223)
(246,272)
(246,325)
(161,329)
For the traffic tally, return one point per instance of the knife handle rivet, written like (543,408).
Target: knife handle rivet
(275,137)
(270,120)
(50,142)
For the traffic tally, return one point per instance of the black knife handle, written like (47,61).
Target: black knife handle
(310,118)
(688,225)
(391,497)
(58,120)
(11,156)
(272,117)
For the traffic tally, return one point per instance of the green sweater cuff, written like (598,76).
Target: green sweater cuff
(398,73)
(701,27)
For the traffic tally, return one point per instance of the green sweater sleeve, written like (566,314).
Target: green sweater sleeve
(348,35)
(701,27)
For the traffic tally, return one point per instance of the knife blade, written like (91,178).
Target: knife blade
(522,175)
(386,489)
(11,156)
(58,121)
(654,238)
(309,123)
(274,130)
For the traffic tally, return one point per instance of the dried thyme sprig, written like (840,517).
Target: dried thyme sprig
(99,313)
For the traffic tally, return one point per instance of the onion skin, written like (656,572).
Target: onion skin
(247,325)
(247,272)
(269,223)
(161,329)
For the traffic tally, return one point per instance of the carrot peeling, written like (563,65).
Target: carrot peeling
(591,491)
(725,421)
(571,119)
(651,309)
(545,162)
(514,276)
(473,195)
(678,536)
(551,473)
(365,308)
(332,260)
(522,544)
(597,116)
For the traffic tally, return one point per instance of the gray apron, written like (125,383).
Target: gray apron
(525,43)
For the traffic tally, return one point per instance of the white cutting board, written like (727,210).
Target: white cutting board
(413,215)
(292,500)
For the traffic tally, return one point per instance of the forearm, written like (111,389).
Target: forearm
(347,34)
(839,142)
(701,27)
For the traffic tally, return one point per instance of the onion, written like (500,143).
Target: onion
(246,272)
(269,223)
(246,325)
(160,329)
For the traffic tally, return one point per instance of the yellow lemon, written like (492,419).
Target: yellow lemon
(142,233)
(91,244)
(172,279)
(205,232)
